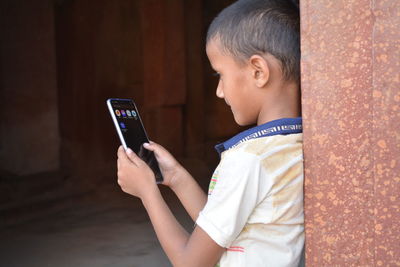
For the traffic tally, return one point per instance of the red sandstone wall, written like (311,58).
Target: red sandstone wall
(351,104)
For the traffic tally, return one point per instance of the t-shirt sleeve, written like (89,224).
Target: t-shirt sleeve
(233,195)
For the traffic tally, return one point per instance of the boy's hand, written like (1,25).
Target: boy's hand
(134,176)
(179,180)
(169,166)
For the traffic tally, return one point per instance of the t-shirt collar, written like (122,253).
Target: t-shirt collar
(283,126)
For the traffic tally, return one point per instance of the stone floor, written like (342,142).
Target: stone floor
(104,227)
(52,220)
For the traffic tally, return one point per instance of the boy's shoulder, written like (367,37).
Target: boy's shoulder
(272,146)
(268,145)
(270,154)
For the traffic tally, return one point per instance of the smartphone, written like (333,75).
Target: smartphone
(131,132)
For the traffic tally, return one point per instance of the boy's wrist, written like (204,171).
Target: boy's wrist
(179,179)
(150,195)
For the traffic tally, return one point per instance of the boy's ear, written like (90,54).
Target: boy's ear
(259,70)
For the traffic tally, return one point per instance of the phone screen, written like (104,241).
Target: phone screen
(129,125)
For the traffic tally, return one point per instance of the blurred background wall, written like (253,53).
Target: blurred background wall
(29,131)
(60,60)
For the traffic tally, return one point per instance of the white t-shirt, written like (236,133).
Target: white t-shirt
(255,203)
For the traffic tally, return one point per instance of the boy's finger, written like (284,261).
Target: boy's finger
(133,157)
(122,155)
(119,148)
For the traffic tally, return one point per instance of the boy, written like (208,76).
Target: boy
(253,215)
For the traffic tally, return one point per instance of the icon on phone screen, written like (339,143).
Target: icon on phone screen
(134,114)
(129,113)
(122,125)
(123,113)
(117,112)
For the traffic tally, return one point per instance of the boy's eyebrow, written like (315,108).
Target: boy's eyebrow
(213,67)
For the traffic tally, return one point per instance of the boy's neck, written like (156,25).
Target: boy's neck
(283,102)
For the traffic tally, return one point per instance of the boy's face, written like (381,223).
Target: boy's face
(235,84)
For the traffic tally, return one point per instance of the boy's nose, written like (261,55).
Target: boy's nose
(219,91)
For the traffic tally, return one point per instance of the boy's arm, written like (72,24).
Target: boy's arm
(179,180)
(189,193)
(198,249)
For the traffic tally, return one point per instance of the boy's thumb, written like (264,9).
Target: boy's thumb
(148,146)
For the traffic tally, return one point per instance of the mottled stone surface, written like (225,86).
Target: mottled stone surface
(351,101)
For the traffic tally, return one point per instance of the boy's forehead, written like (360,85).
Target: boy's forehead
(219,58)
(213,47)
(215,51)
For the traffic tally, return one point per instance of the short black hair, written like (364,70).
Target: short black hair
(249,27)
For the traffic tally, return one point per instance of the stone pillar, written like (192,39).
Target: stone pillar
(29,136)
(351,104)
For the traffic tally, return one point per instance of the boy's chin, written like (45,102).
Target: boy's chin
(241,122)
